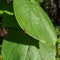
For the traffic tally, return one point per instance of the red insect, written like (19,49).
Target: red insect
(25,31)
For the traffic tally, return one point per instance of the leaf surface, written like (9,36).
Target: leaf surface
(19,46)
(34,21)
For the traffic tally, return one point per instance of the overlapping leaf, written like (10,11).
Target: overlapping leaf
(34,21)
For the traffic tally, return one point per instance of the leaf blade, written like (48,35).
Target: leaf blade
(38,25)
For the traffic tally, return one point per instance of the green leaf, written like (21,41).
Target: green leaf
(34,21)
(19,46)
(1,12)
(6,8)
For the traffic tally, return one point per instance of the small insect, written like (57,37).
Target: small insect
(25,31)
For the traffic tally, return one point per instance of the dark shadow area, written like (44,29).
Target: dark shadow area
(0,21)
(19,37)
(0,30)
(1,40)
